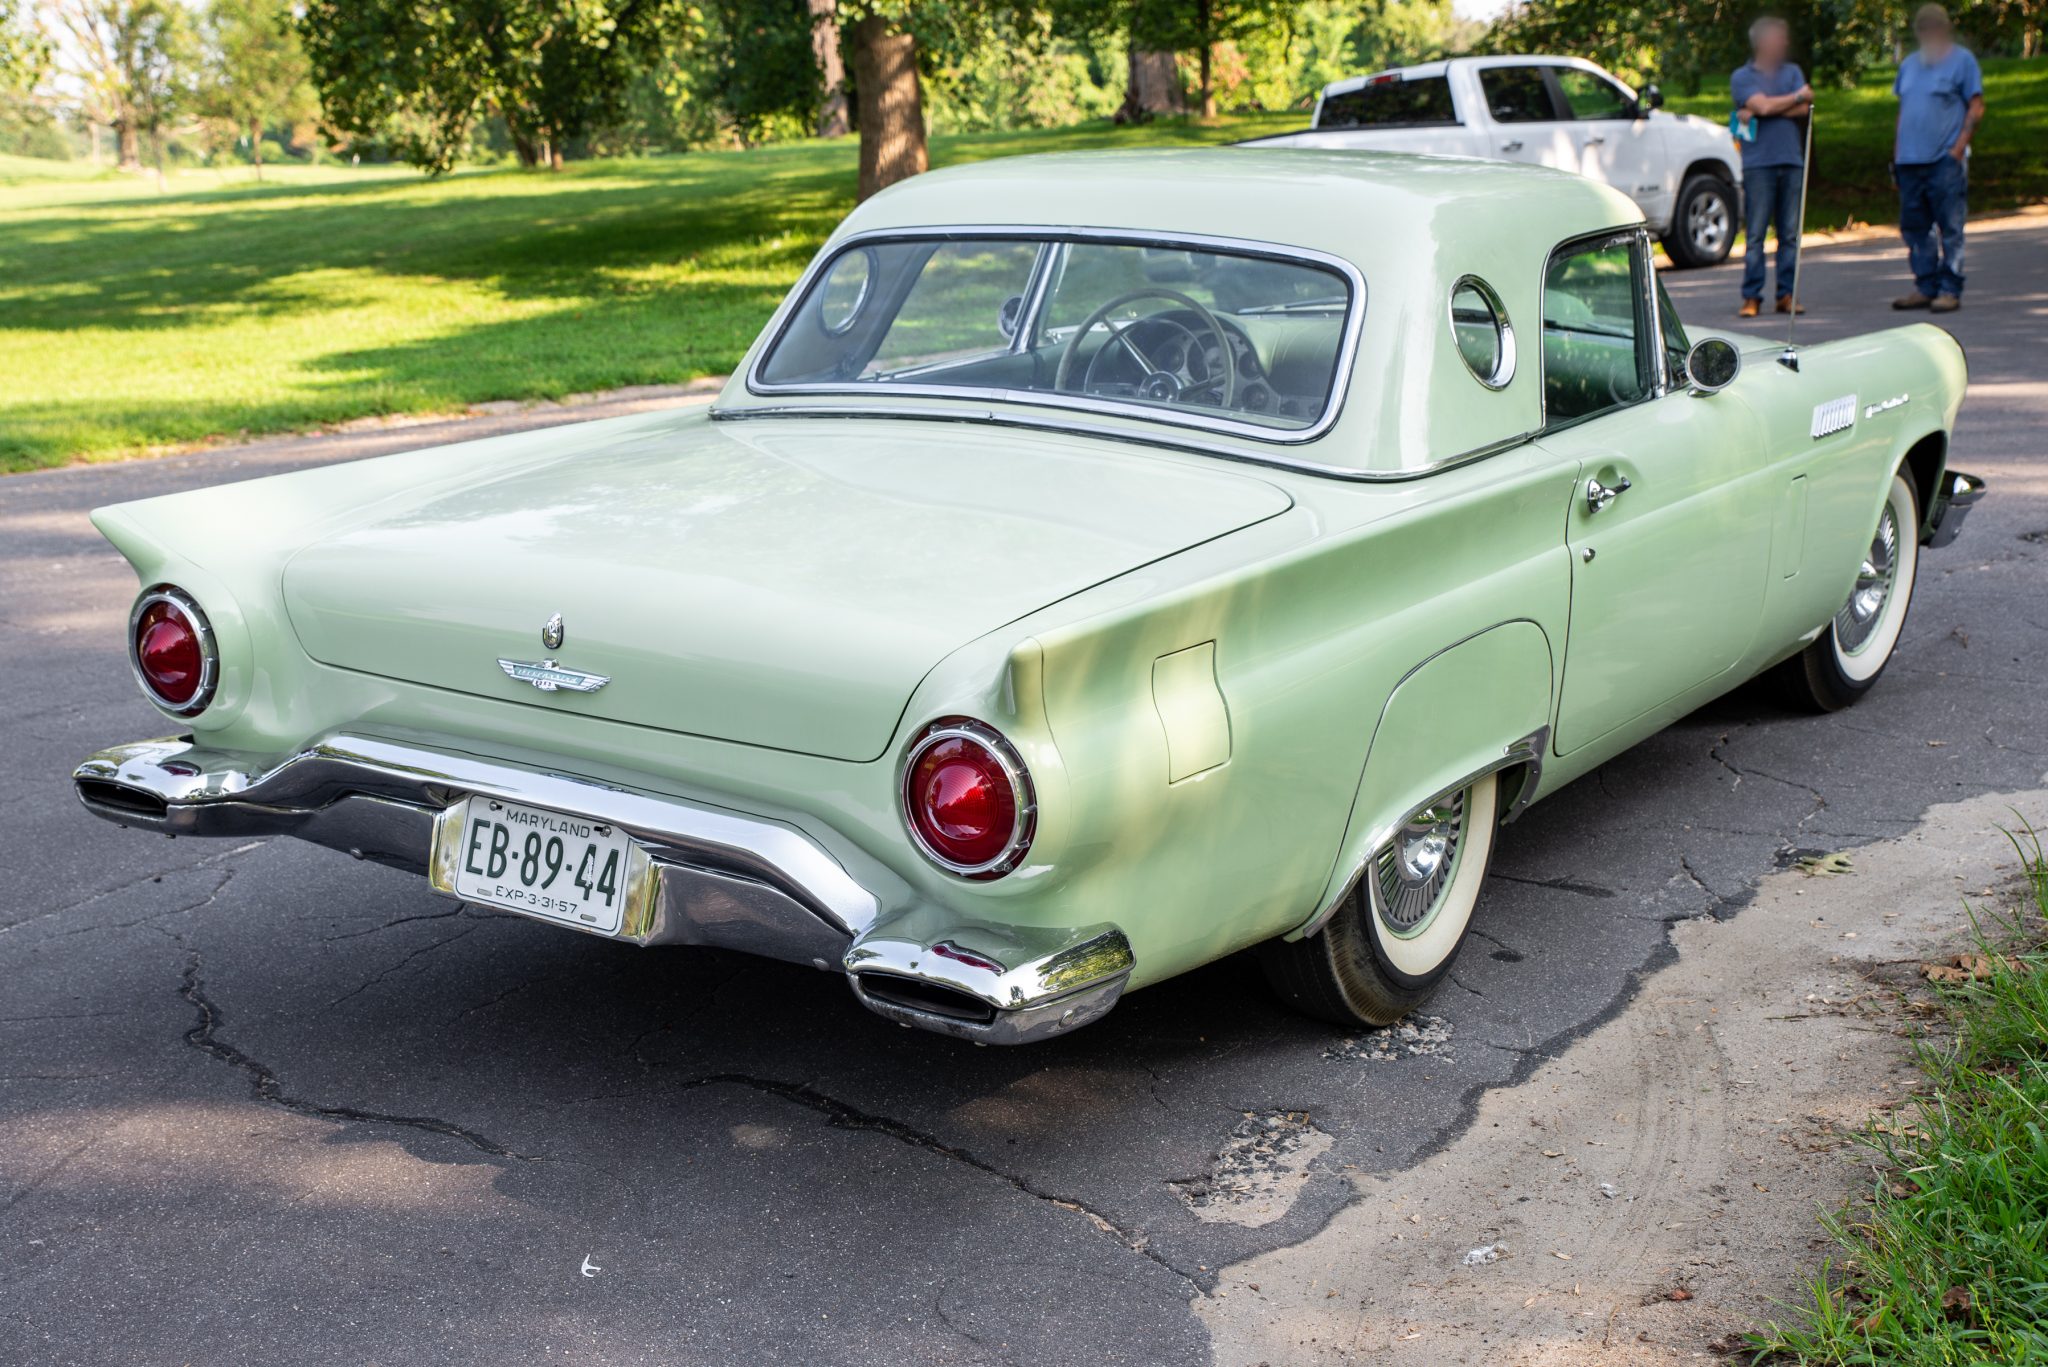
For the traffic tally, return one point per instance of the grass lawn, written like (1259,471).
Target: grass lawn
(131,320)
(1948,1263)
(1852,144)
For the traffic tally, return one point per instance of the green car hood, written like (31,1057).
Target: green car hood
(783,583)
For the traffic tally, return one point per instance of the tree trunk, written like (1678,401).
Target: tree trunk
(1205,22)
(891,105)
(256,145)
(831,69)
(554,156)
(525,148)
(1152,87)
(128,144)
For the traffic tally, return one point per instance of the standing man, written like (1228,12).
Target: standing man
(1941,102)
(1771,94)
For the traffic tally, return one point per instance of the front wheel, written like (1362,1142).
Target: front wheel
(1702,223)
(1393,939)
(1844,662)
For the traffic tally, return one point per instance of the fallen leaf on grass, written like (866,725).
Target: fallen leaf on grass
(1964,968)
(1955,1303)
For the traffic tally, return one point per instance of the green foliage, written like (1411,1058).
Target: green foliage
(417,74)
(1692,45)
(1852,143)
(25,54)
(1949,1262)
(255,72)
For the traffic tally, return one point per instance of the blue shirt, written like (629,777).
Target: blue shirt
(1933,98)
(1777,137)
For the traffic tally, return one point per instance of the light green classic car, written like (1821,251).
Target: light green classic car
(1100,565)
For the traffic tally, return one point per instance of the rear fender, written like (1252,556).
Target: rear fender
(1479,707)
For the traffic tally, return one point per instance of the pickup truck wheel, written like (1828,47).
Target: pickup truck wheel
(1394,938)
(1844,662)
(1703,224)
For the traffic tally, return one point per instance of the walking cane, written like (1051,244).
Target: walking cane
(1788,357)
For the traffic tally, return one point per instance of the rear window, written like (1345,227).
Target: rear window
(1390,102)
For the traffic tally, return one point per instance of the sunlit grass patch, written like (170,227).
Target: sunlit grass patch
(132,319)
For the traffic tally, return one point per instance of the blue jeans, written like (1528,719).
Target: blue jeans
(1770,199)
(1934,199)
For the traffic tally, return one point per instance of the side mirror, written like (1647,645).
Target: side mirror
(1010,315)
(1650,98)
(1712,365)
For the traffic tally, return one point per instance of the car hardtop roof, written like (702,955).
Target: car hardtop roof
(1373,209)
(1422,70)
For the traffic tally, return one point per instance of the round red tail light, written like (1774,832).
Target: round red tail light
(967,798)
(173,650)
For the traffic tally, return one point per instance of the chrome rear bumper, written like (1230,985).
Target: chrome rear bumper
(722,878)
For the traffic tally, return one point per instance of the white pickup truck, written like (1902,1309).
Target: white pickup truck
(1553,111)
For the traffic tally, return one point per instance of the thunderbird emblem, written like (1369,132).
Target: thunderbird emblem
(548,676)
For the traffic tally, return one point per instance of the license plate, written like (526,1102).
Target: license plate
(553,865)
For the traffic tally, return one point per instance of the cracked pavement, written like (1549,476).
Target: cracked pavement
(263,1101)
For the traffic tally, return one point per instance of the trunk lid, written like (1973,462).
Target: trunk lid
(783,583)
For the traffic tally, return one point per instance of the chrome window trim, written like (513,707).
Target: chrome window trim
(1023,825)
(1340,380)
(209,649)
(1165,441)
(1504,330)
(1637,237)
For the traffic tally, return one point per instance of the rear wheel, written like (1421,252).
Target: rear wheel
(1703,223)
(1844,662)
(1394,938)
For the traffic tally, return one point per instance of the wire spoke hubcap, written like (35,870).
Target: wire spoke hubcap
(1875,580)
(1411,871)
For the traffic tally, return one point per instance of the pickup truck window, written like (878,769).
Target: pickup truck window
(1593,97)
(1518,94)
(1390,102)
(1205,335)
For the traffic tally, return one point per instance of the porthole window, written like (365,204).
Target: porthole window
(1479,325)
(844,290)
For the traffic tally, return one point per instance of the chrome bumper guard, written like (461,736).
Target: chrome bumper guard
(721,878)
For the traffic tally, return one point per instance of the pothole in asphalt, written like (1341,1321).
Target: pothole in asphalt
(1417,1036)
(1257,1174)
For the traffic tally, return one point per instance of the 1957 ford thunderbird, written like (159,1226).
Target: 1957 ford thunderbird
(1101,564)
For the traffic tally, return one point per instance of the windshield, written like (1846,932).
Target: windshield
(1238,339)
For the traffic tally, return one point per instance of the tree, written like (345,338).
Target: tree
(25,54)
(256,71)
(1198,27)
(832,122)
(420,73)
(126,63)
(1153,86)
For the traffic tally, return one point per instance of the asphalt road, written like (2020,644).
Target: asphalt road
(265,1104)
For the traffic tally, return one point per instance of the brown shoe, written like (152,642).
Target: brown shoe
(1750,308)
(1915,300)
(1785,305)
(1946,303)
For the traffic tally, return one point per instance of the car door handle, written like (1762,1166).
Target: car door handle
(1514,146)
(1599,495)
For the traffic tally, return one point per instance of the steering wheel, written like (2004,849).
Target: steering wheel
(1159,384)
